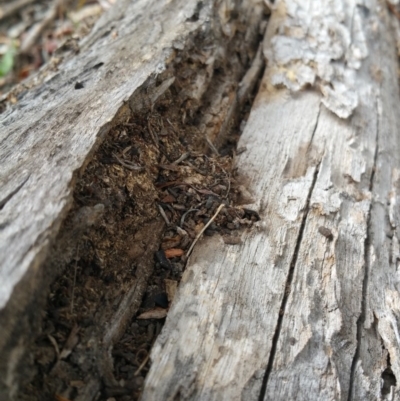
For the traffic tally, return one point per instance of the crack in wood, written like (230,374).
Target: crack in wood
(388,378)
(4,201)
(289,277)
(367,245)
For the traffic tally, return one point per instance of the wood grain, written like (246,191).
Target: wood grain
(60,118)
(307,306)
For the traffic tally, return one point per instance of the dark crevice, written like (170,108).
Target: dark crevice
(117,269)
(388,378)
(315,127)
(196,15)
(12,193)
(367,244)
(289,278)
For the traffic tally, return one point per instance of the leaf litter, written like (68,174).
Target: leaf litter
(162,178)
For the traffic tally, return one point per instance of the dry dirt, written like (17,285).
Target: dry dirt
(151,187)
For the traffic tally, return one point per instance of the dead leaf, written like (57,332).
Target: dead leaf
(156,313)
(169,243)
(173,253)
(168,199)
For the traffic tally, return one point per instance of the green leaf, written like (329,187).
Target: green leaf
(7,61)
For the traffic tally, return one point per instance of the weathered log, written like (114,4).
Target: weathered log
(50,135)
(307,306)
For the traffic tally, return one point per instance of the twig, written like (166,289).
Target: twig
(169,122)
(204,229)
(128,165)
(38,28)
(229,186)
(152,134)
(181,159)
(179,183)
(185,214)
(228,177)
(142,365)
(195,168)
(249,80)
(211,145)
(164,216)
(9,9)
(55,345)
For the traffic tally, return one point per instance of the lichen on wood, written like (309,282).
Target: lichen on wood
(320,44)
(306,307)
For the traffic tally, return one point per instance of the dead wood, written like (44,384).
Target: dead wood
(306,306)
(13,7)
(292,295)
(162,70)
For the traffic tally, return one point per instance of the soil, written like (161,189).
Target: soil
(152,186)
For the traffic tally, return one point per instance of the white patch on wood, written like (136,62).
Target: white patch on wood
(318,43)
(340,317)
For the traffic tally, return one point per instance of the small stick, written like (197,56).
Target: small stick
(164,216)
(34,33)
(229,186)
(182,158)
(204,229)
(55,345)
(129,166)
(195,168)
(171,124)
(11,8)
(229,181)
(152,134)
(211,145)
(142,365)
(185,214)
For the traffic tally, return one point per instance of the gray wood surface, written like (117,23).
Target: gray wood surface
(307,306)
(48,137)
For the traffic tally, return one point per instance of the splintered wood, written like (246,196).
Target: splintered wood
(304,304)
(82,146)
(307,306)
